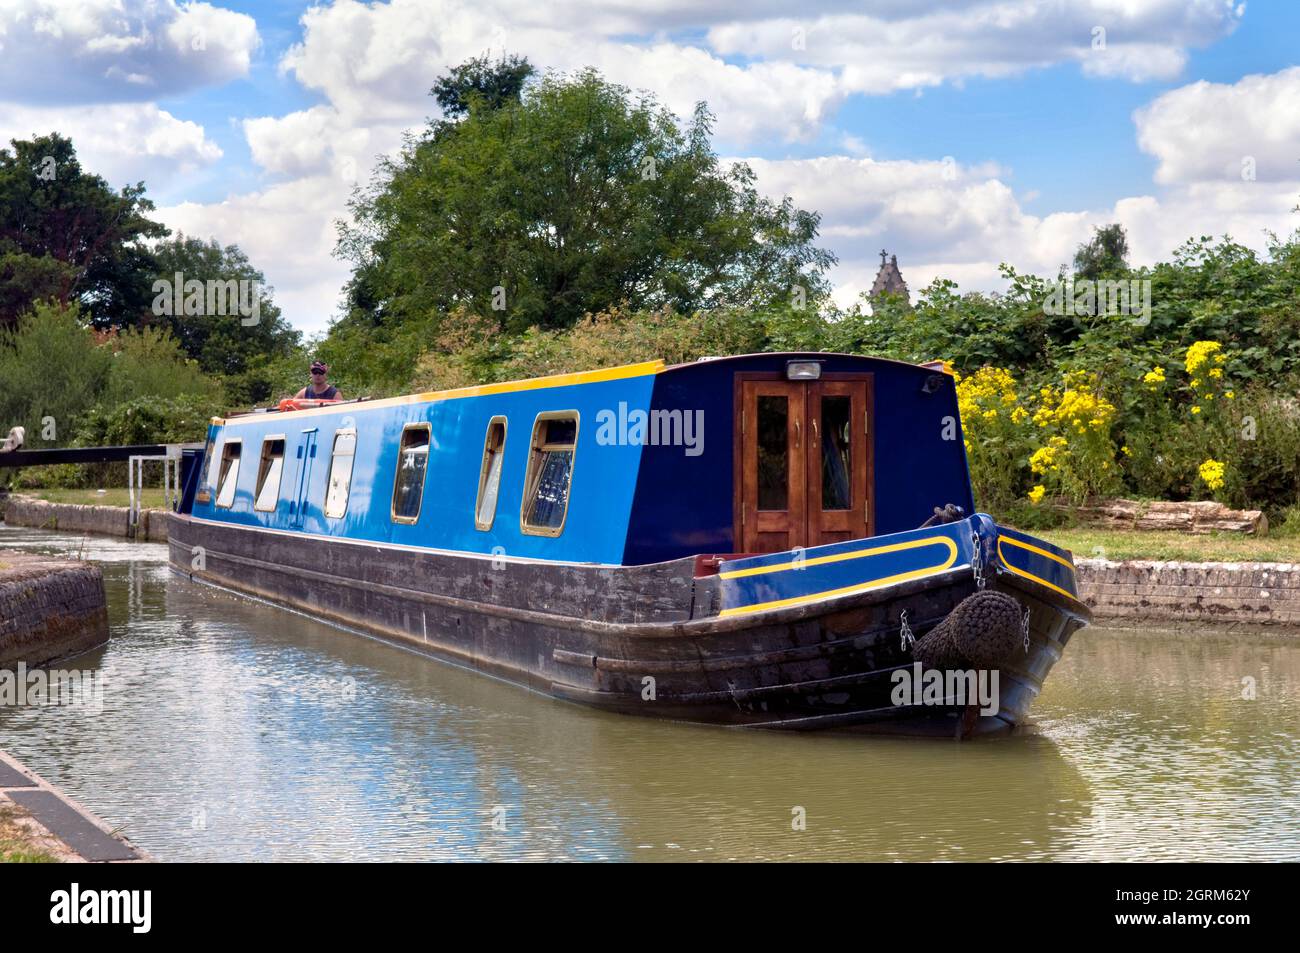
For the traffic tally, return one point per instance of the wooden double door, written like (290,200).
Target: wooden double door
(803,461)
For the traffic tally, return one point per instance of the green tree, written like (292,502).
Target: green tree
(577,198)
(1105,254)
(229,345)
(492,84)
(52,371)
(66,235)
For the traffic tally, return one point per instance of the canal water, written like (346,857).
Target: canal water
(233,730)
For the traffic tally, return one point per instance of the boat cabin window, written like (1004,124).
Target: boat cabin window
(837,461)
(340,478)
(489,477)
(773,452)
(412,464)
(550,473)
(206,482)
(269,472)
(229,473)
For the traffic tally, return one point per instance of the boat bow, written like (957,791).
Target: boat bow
(976,545)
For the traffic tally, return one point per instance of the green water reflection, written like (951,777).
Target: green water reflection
(234,730)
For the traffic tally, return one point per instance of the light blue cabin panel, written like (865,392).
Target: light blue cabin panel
(600,496)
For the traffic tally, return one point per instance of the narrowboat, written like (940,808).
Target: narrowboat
(771,540)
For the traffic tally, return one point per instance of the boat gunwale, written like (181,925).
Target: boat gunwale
(684,628)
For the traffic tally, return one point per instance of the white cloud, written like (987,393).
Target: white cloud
(1226,132)
(374,62)
(318,141)
(123,142)
(287,231)
(962,222)
(886,47)
(377,62)
(782,76)
(80,51)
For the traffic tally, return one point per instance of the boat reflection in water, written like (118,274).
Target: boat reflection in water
(467,766)
(236,730)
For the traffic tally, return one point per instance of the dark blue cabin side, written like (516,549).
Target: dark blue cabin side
(688,504)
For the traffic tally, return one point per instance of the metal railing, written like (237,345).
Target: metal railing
(171,461)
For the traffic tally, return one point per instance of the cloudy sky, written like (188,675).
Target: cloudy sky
(955,133)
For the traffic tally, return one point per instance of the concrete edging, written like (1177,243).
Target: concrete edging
(57,824)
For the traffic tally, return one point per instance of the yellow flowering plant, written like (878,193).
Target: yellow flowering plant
(1210,435)
(1211,473)
(1076,454)
(1178,424)
(996,430)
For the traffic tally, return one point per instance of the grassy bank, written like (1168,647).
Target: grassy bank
(1184,547)
(16,845)
(117,496)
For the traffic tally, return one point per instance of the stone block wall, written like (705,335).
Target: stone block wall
(50,608)
(1217,593)
(84,518)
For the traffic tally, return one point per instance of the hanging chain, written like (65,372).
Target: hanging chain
(905,632)
(977,561)
(1024,630)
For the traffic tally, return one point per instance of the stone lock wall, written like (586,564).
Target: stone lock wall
(1213,593)
(50,608)
(84,518)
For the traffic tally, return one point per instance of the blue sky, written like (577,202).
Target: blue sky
(958,134)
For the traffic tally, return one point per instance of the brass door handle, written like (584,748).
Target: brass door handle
(796,435)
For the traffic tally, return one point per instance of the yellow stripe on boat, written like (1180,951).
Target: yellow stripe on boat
(857,587)
(841,557)
(1029,575)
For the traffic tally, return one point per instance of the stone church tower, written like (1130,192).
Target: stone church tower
(889,280)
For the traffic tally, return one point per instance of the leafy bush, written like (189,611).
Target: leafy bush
(149,362)
(1265,449)
(144,420)
(52,373)
(56,475)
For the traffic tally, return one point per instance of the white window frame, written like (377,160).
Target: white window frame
(260,484)
(226,445)
(329,478)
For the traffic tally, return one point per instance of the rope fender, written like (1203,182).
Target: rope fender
(979,633)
